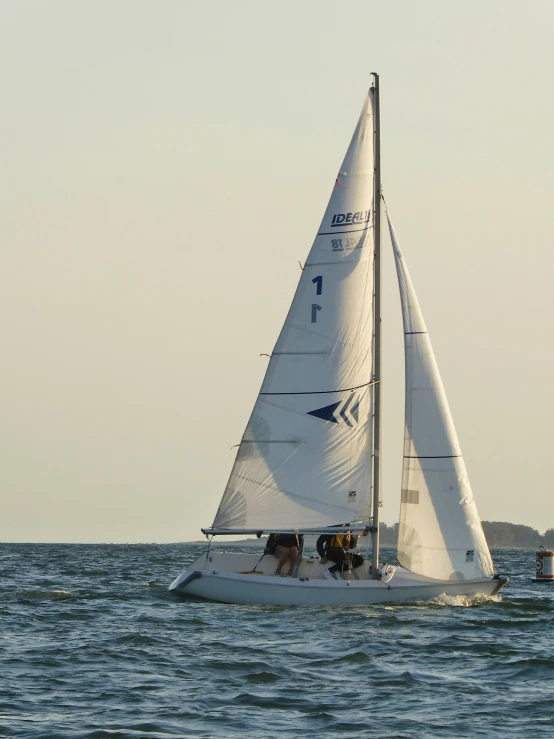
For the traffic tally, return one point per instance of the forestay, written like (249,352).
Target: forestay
(440,533)
(305,457)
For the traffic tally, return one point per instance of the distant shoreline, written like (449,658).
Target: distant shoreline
(499,535)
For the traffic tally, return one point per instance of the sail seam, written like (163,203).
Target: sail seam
(409,333)
(336,264)
(281,354)
(353,231)
(270,441)
(324,392)
(445,456)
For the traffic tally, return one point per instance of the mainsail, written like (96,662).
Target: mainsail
(305,458)
(440,534)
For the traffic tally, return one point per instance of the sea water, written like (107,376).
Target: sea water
(93,646)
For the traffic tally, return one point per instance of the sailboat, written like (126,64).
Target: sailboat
(310,458)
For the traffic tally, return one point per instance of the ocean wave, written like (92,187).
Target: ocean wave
(94,647)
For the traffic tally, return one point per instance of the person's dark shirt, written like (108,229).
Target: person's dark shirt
(322,544)
(289,540)
(285,540)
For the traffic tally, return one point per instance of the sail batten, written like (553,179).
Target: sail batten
(440,533)
(324,478)
(323,392)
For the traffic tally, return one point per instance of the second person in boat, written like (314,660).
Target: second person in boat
(334,547)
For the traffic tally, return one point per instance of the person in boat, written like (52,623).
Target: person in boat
(334,547)
(286,548)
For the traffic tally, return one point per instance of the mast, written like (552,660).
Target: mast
(377,332)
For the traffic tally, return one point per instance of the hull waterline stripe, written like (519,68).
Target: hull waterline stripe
(324,392)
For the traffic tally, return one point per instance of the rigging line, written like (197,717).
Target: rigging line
(325,392)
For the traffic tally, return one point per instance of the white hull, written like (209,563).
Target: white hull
(227,578)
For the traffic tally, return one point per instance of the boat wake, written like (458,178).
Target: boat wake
(465,601)
(59,593)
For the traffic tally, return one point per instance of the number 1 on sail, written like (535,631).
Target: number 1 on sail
(318,282)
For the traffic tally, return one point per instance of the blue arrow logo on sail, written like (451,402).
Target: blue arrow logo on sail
(354,410)
(348,415)
(344,409)
(326,414)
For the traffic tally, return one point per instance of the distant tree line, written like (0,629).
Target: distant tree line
(516,536)
(499,534)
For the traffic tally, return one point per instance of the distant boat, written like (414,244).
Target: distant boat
(310,459)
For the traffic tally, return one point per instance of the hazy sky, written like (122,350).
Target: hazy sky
(163,168)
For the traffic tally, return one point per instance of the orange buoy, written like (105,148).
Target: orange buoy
(545,566)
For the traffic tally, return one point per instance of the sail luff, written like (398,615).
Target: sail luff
(440,533)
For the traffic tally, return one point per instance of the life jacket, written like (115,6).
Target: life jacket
(340,541)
